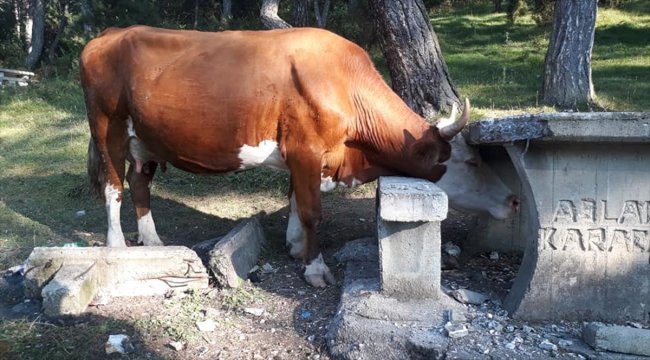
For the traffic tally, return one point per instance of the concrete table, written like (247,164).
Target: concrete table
(584,180)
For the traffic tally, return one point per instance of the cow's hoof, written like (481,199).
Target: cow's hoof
(317,274)
(151,241)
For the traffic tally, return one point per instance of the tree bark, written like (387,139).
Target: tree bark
(226,13)
(410,46)
(498,6)
(196,15)
(300,12)
(63,23)
(17,15)
(321,17)
(567,66)
(38,32)
(269,15)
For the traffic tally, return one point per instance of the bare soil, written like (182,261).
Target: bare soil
(276,315)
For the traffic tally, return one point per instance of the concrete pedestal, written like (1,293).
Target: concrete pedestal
(585,188)
(408,230)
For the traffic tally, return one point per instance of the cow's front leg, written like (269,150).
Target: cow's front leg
(140,185)
(305,200)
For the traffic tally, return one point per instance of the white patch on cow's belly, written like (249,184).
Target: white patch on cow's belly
(266,153)
(328,184)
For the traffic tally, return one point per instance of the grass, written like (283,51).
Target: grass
(499,65)
(43,139)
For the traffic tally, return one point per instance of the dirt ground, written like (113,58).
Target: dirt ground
(276,315)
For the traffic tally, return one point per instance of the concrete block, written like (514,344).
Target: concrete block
(408,231)
(71,290)
(236,253)
(586,204)
(622,339)
(410,200)
(68,278)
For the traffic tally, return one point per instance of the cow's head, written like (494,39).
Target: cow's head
(434,148)
(472,186)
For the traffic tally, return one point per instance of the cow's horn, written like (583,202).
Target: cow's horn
(448,131)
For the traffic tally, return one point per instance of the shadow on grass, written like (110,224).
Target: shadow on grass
(78,337)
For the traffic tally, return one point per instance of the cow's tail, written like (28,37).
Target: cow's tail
(95,170)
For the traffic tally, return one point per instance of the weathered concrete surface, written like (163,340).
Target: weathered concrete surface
(236,253)
(71,290)
(408,231)
(586,204)
(561,127)
(68,278)
(370,325)
(622,339)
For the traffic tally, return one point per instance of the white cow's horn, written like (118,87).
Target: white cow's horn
(449,130)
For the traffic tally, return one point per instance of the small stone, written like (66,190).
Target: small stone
(254,311)
(466,296)
(119,343)
(177,345)
(509,328)
(206,325)
(451,249)
(311,338)
(527,329)
(267,268)
(494,256)
(495,325)
(563,343)
(456,330)
(547,345)
(511,345)
(80,213)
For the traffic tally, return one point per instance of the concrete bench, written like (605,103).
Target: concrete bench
(584,181)
(15,77)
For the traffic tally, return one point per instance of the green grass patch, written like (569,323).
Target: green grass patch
(499,65)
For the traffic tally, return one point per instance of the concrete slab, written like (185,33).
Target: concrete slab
(586,209)
(408,230)
(236,253)
(68,278)
(371,325)
(622,339)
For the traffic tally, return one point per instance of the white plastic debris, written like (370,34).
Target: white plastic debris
(494,255)
(119,343)
(176,345)
(206,325)
(254,311)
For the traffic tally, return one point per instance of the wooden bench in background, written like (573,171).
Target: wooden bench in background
(15,77)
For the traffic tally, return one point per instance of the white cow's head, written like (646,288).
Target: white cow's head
(471,185)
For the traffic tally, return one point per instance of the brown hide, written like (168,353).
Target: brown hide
(195,98)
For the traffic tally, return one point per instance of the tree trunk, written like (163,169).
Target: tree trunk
(28,25)
(321,17)
(87,18)
(419,73)
(38,32)
(567,66)
(63,22)
(196,15)
(498,6)
(269,15)
(226,13)
(300,12)
(18,17)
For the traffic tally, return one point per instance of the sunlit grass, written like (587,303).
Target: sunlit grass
(499,65)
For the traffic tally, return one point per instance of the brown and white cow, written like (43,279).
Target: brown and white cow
(300,99)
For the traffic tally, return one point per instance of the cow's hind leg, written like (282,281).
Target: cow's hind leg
(140,185)
(107,165)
